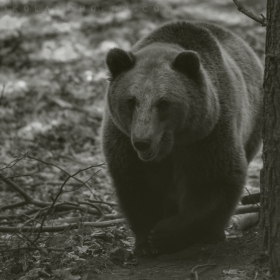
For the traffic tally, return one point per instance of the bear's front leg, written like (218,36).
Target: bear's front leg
(175,234)
(167,235)
(143,204)
(142,211)
(202,219)
(143,247)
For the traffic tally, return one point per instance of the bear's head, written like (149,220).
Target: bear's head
(158,93)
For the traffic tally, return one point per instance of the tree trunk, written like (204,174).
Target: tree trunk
(270,174)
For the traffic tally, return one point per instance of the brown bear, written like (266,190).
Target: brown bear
(183,120)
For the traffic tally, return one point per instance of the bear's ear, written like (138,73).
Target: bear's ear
(118,61)
(187,62)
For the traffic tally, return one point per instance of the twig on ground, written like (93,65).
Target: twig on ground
(72,220)
(103,215)
(94,206)
(13,205)
(28,240)
(15,161)
(29,200)
(17,176)
(62,228)
(18,216)
(85,183)
(46,208)
(256,275)
(102,202)
(194,273)
(32,219)
(19,190)
(58,194)
(2,93)
(260,19)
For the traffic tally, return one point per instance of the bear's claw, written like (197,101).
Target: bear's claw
(145,250)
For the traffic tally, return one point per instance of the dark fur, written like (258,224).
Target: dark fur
(202,122)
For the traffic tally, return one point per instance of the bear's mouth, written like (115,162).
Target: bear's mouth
(147,156)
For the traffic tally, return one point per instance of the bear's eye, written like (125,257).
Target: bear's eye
(131,102)
(162,105)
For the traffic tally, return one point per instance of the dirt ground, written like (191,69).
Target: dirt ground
(231,260)
(53,78)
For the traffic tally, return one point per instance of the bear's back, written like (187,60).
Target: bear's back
(186,35)
(238,50)
(209,41)
(248,70)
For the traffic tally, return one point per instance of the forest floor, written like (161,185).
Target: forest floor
(53,80)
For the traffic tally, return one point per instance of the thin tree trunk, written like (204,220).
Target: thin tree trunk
(270,174)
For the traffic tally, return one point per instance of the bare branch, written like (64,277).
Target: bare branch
(2,93)
(85,183)
(57,196)
(17,176)
(94,206)
(47,208)
(61,169)
(41,204)
(63,207)
(244,221)
(13,205)
(15,161)
(25,237)
(102,202)
(260,19)
(251,198)
(18,216)
(62,228)
(16,188)
(247,209)
(194,273)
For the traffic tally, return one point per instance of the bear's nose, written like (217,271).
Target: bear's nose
(142,145)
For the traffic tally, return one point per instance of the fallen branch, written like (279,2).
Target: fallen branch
(33,221)
(13,205)
(194,273)
(57,196)
(17,160)
(244,221)
(247,209)
(87,218)
(2,93)
(102,202)
(260,19)
(29,200)
(61,228)
(18,216)
(251,198)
